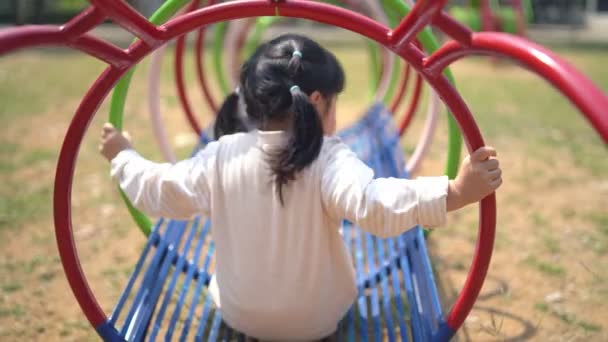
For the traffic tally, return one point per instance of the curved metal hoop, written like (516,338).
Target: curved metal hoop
(234,42)
(313,11)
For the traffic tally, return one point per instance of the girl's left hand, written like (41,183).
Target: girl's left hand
(113,141)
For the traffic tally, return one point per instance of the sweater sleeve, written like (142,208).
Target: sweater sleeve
(177,191)
(384,206)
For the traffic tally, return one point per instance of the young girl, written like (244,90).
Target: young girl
(277,195)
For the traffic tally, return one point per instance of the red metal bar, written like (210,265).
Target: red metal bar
(63,191)
(480,264)
(73,34)
(422,14)
(103,50)
(590,100)
(311,10)
(411,110)
(453,28)
(399,95)
(487,209)
(122,14)
(181,88)
(414,101)
(179,77)
(17,38)
(199,55)
(83,23)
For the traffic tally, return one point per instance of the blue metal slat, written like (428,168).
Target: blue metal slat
(199,283)
(144,288)
(417,333)
(186,287)
(373,290)
(386,298)
(421,321)
(176,273)
(205,272)
(428,291)
(401,314)
(215,327)
(175,232)
(349,321)
(385,166)
(125,294)
(378,163)
(361,299)
(203,321)
(420,284)
(429,271)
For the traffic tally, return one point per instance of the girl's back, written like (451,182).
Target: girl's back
(282,269)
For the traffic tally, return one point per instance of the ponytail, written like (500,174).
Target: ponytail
(304,144)
(277,82)
(228,121)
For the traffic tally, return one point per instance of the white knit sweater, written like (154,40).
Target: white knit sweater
(282,272)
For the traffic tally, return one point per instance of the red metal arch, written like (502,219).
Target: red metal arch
(397,40)
(211,101)
(179,73)
(590,100)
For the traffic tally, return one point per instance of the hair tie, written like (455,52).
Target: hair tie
(294,89)
(296,53)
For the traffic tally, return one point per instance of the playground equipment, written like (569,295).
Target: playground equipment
(396,285)
(233,41)
(491,15)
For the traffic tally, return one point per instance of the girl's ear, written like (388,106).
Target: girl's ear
(316,98)
(319,102)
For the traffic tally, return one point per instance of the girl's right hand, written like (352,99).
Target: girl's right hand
(479,176)
(113,141)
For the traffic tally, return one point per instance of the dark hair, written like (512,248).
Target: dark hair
(267,86)
(228,120)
